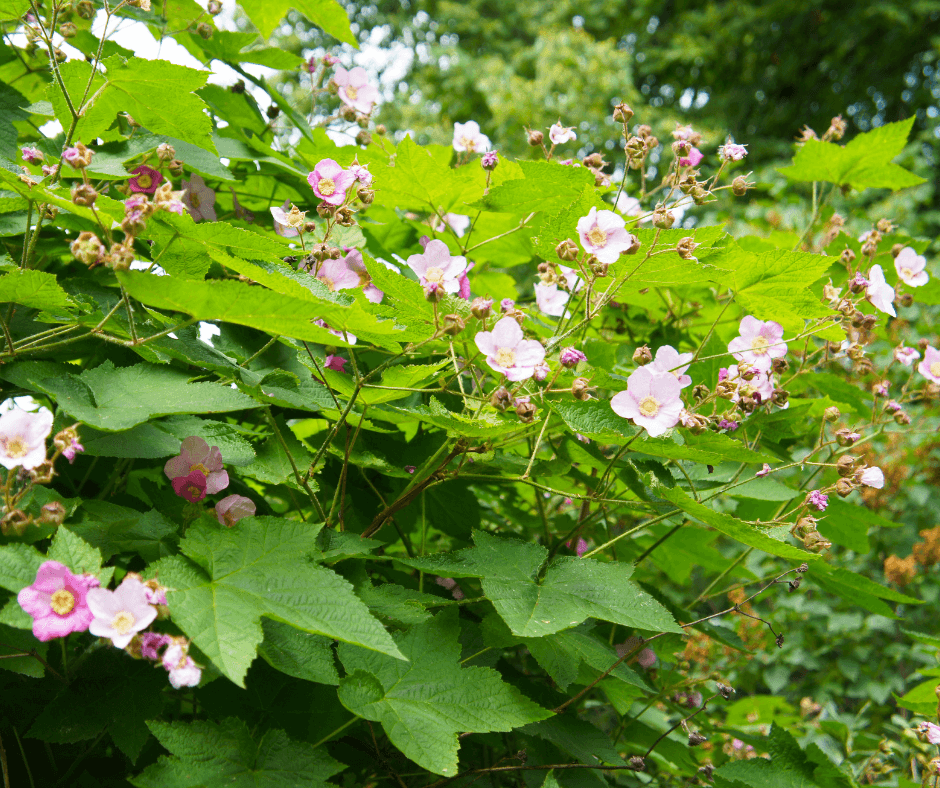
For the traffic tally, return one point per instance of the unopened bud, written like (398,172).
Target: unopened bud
(68,30)
(637,763)
(204,30)
(481,308)
(847,257)
(166,152)
(500,398)
(535,138)
(525,410)
(175,168)
(214,7)
(686,247)
(580,388)
(905,299)
(845,487)
(662,218)
(325,210)
(567,250)
(42,473)
(348,114)
(695,739)
(366,195)
(779,365)
(381,130)
(845,465)
(901,417)
(453,325)
(53,513)
(85,9)
(724,690)
(363,137)
(814,541)
(622,113)
(642,355)
(831,413)
(739,186)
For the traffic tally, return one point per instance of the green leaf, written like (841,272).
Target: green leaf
(266,566)
(116,529)
(420,180)
(579,738)
(710,448)
(20,641)
(74,552)
(537,600)
(11,102)
(13,9)
(35,289)
(224,755)
(18,566)
(325,14)
(486,425)
(594,419)
(116,398)
(302,655)
(866,162)
(547,186)
(424,703)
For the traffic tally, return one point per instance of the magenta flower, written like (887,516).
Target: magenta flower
(551,300)
(489,160)
(73,157)
(872,476)
(57,601)
(559,134)
(571,357)
(329,181)
(32,155)
(281,227)
(336,363)
(692,159)
(508,352)
(146,181)
(910,267)
(818,500)
(732,151)
(233,508)
(196,456)
(151,643)
(199,199)
(71,450)
(879,292)
(337,275)
(604,235)
(727,424)
(23,437)
(437,267)
(467,137)
(507,305)
(759,343)
(906,355)
(48,169)
(192,487)
(652,401)
(670,360)
(121,613)
(355,90)
(929,368)
(763,471)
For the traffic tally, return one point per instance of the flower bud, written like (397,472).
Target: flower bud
(348,114)
(567,250)
(42,473)
(580,388)
(52,513)
(238,87)
(363,137)
(381,130)
(525,410)
(739,186)
(642,355)
(120,257)
(831,414)
(726,389)
(325,210)
(844,487)
(68,30)
(535,138)
(366,195)
(309,227)
(780,397)
(845,465)
(901,417)
(814,541)
(870,247)
(681,147)
(481,308)
(662,218)
(695,739)
(214,7)
(489,161)
(700,392)
(175,168)
(779,365)
(87,248)
(85,9)
(634,246)
(885,226)
(685,247)
(15,523)
(570,357)
(905,299)
(204,30)
(622,113)
(748,404)
(166,152)
(453,325)
(500,398)
(847,257)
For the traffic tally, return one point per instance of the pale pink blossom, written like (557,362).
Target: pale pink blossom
(508,352)
(692,159)
(197,456)
(571,278)
(759,387)
(930,366)
(879,292)
(354,89)
(906,355)
(732,151)
(872,476)
(910,267)
(70,451)
(604,235)
(369,290)
(281,227)
(559,134)
(551,299)
(931,730)
(456,221)
(763,471)
(329,181)
(759,343)
(337,275)
(652,401)
(121,613)
(233,508)
(199,199)
(542,371)
(437,267)
(668,359)
(57,601)
(361,171)
(468,137)
(489,160)
(629,206)
(23,437)
(683,132)
(186,674)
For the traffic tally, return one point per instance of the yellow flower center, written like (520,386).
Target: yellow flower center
(194,491)
(351,92)
(326,186)
(935,369)
(62,602)
(229,519)
(906,272)
(123,622)
(760,346)
(330,284)
(597,236)
(144,181)
(364,279)
(16,447)
(649,407)
(505,357)
(199,467)
(434,275)
(468,143)
(194,199)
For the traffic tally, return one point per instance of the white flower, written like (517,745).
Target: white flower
(559,134)
(467,137)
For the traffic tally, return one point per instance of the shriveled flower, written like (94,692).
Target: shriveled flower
(361,171)
(489,160)
(336,363)
(879,292)
(146,180)
(355,90)
(652,401)
(759,387)
(232,508)
(692,159)
(196,456)
(437,267)
(670,360)
(542,371)
(469,138)
(729,425)
(329,181)
(508,352)
(906,355)
(929,367)
(457,222)
(872,476)
(763,471)
(281,227)
(32,155)
(551,299)
(72,449)
(818,499)
(732,151)
(759,343)
(57,601)
(931,731)
(121,613)
(337,275)
(23,438)
(559,134)
(199,199)
(604,235)
(151,643)
(910,267)
(571,357)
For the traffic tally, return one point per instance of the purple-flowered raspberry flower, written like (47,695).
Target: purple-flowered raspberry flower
(692,159)
(329,181)
(818,499)
(571,357)
(23,437)
(551,299)
(931,731)
(871,476)
(929,367)
(233,508)
(72,449)
(456,221)
(910,267)
(437,267)
(879,292)
(604,235)
(281,227)
(32,155)
(542,371)
(508,352)
(361,171)
(151,643)
(763,471)
(337,275)
(192,487)
(732,151)
(559,134)
(199,199)
(121,613)
(652,401)
(354,89)
(469,138)
(196,456)
(906,355)
(355,263)
(57,601)
(670,360)
(759,343)
(146,180)
(489,160)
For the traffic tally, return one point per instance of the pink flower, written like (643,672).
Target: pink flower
(192,487)
(647,658)
(336,363)
(199,199)
(354,263)
(759,343)
(559,134)
(652,401)
(763,471)
(931,731)
(344,335)
(196,456)
(437,267)
(467,137)
(410,468)
(456,221)
(232,508)
(57,601)
(361,171)
(186,674)
(910,267)
(929,368)
(507,305)
(668,359)
(489,160)
(355,90)
(759,387)
(603,234)
(906,355)
(281,227)
(151,643)
(121,613)
(629,206)
(683,132)
(337,275)
(872,477)
(329,181)
(729,425)
(571,357)
(71,450)
(542,371)
(818,499)
(32,155)
(880,293)
(551,299)
(508,352)
(147,180)
(23,438)
(692,159)
(732,151)
(48,169)
(73,157)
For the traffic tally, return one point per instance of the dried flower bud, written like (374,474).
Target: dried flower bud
(845,487)
(214,7)
(814,541)
(724,690)
(845,465)
(726,389)
(325,210)
(53,513)
(580,388)
(14,523)
(85,9)
(847,257)
(700,392)
(637,763)
(238,87)
(453,325)
(175,168)
(901,417)
(795,584)
(204,30)
(685,247)
(622,113)
(166,152)
(905,299)
(500,398)
(780,397)
(642,356)
(88,249)
(366,195)
(481,308)
(662,218)
(120,257)
(748,404)
(681,147)
(567,250)
(525,410)
(42,473)
(695,739)
(68,30)
(535,137)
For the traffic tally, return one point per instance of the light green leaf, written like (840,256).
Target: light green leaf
(486,425)
(265,566)
(13,9)
(35,289)
(325,14)
(11,102)
(18,566)
(547,186)
(423,704)
(79,556)
(710,448)
(594,419)
(423,181)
